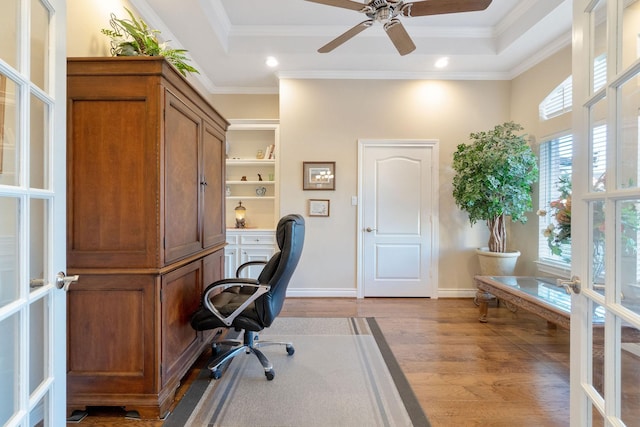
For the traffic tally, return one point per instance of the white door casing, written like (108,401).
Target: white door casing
(397,218)
(32,208)
(605,211)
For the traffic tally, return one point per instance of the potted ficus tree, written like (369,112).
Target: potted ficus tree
(494,174)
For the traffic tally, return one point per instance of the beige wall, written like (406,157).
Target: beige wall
(323,120)
(246,106)
(85,19)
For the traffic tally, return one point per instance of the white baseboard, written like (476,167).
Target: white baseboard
(352,293)
(322,292)
(456,293)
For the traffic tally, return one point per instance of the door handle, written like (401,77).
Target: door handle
(63,281)
(571,285)
(369,229)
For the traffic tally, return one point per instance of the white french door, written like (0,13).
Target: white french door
(397,218)
(605,322)
(32,212)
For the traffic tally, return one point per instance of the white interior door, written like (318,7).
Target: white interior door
(32,208)
(398,219)
(605,322)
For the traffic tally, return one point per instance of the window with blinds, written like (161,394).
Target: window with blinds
(558,101)
(555,161)
(556,158)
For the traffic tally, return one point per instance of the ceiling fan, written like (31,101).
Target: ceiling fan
(387,12)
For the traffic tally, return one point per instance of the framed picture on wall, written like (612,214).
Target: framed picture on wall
(318,175)
(318,207)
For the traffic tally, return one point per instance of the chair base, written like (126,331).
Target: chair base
(250,344)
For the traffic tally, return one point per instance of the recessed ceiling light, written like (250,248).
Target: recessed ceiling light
(442,62)
(271,61)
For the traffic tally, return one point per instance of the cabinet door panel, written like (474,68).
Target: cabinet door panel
(112,194)
(230,262)
(111,332)
(182,180)
(213,161)
(181,290)
(254,254)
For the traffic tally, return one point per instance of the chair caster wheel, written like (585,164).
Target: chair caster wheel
(216,374)
(290,350)
(270,375)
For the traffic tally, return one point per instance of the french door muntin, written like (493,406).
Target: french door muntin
(32,208)
(605,325)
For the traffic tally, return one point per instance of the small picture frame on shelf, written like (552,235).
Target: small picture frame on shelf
(318,175)
(319,207)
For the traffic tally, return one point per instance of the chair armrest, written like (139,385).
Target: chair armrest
(221,285)
(248,264)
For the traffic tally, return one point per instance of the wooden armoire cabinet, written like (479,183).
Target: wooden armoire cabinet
(145,229)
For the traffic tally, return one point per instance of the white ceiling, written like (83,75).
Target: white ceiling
(229,40)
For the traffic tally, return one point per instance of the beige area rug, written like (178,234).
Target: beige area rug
(342,374)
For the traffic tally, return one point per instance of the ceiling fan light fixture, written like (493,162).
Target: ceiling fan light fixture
(442,62)
(387,13)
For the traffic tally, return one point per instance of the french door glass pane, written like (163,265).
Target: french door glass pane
(630,36)
(8,253)
(630,374)
(9,32)
(39,155)
(598,157)
(627,247)
(39,415)
(9,367)
(599,45)
(38,233)
(598,420)
(597,348)
(628,146)
(597,261)
(39,44)
(8,131)
(39,326)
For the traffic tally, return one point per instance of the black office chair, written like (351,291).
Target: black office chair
(252,304)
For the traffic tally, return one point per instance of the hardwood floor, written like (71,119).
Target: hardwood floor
(513,370)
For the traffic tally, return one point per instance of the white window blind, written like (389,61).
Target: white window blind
(558,101)
(599,154)
(555,161)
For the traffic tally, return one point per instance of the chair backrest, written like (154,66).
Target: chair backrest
(280,268)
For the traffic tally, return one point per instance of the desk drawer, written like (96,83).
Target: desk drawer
(258,239)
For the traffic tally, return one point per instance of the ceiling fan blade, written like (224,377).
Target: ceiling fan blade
(346,36)
(346,4)
(433,7)
(399,36)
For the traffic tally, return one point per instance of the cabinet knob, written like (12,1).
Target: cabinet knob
(204,183)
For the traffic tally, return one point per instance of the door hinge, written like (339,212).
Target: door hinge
(164,243)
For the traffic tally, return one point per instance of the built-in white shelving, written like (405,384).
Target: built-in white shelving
(244,170)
